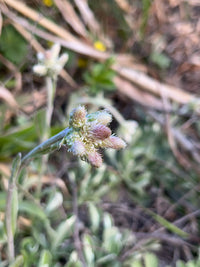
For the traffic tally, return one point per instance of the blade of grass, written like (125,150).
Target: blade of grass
(168,225)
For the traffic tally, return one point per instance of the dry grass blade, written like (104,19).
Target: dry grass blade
(40,19)
(64,74)
(91,22)
(176,137)
(8,97)
(160,11)
(138,78)
(70,17)
(124,5)
(74,45)
(88,16)
(192,2)
(153,86)
(171,139)
(129,90)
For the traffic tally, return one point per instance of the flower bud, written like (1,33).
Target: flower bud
(100,131)
(40,56)
(114,142)
(56,69)
(54,52)
(95,159)
(89,132)
(102,117)
(78,148)
(78,117)
(40,69)
(63,59)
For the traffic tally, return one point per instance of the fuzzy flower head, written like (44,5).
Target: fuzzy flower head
(90,132)
(50,63)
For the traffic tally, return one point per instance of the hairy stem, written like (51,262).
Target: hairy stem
(12,207)
(11,251)
(51,86)
(45,145)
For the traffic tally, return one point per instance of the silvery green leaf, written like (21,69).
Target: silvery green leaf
(107,220)
(28,244)
(88,251)
(135,263)
(101,191)
(18,262)
(14,209)
(15,168)
(45,259)
(74,264)
(3,237)
(180,263)
(106,259)
(64,230)
(55,202)
(94,216)
(33,209)
(150,260)
(73,260)
(192,264)
(84,187)
(112,240)
(98,177)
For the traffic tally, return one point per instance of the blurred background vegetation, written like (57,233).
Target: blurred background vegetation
(139,60)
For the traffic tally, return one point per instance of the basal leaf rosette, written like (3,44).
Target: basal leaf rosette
(90,132)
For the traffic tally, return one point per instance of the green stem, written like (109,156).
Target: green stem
(51,87)
(10,236)
(45,145)
(12,207)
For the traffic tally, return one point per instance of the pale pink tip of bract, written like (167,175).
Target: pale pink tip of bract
(114,142)
(79,112)
(104,117)
(101,132)
(78,148)
(95,159)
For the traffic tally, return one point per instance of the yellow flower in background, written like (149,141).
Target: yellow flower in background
(82,62)
(99,46)
(48,3)
(50,44)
